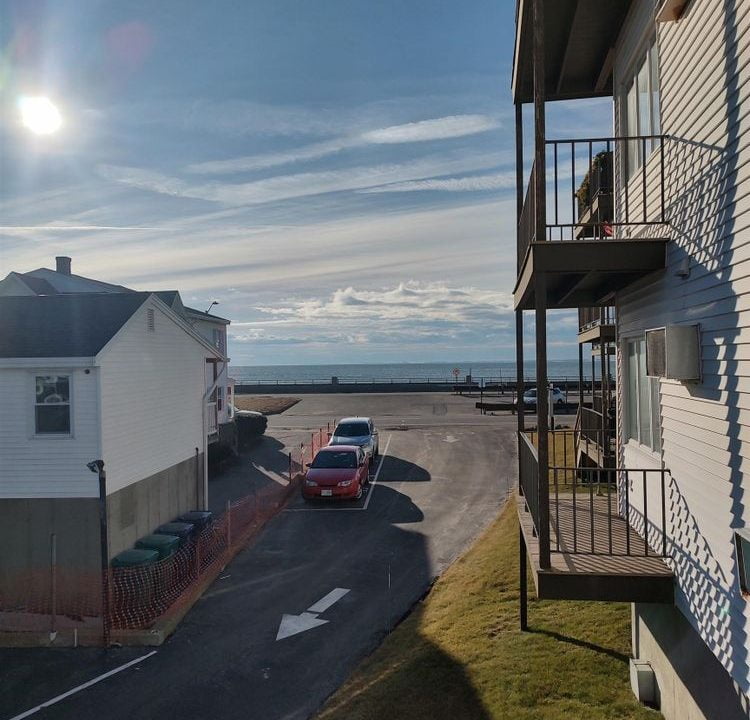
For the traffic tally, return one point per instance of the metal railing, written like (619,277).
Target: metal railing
(586,515)
(608,510)
(529,476)
(589,317)
(571,165)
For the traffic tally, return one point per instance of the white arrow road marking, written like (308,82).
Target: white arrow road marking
(450,439)
(293,624)
(324,603)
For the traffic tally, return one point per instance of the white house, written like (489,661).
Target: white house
(111,376)
(61,280)
(671,252)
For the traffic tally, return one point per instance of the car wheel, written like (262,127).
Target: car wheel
(360,492)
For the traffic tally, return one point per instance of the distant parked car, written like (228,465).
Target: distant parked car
(250,422)
(359,431)
(558,397)
(337,472)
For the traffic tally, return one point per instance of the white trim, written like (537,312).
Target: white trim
(45,362)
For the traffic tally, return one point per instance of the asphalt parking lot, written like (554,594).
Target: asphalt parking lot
(292,615)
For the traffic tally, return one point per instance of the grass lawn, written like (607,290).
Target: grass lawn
(266,404)
(460,655)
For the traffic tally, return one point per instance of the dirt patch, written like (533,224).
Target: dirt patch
(266,404)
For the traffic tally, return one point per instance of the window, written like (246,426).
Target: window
(742,544)
(642,112)
(52,405)
(642,399)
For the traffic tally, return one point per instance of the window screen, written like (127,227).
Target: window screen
(52,405)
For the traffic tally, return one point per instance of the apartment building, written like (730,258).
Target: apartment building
(652,222)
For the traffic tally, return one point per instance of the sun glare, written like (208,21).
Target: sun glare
(40,115)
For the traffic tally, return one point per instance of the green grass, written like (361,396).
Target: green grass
(461,656)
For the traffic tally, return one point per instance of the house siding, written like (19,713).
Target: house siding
(47,466)
(705,81)
(152,385)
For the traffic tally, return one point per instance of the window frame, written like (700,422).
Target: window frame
(644,60)
(654,436)
(70,404)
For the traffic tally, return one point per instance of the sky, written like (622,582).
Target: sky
(338,174)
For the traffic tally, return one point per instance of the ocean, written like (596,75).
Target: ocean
(556,369)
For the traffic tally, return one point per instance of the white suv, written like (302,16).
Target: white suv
(359,431)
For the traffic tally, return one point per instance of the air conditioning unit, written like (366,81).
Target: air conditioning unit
(643,681)
(674,352)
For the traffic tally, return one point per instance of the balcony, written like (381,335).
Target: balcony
(584,247)
(579,36)
(594,533)
(596,324)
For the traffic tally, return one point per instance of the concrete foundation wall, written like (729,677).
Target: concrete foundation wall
(692,684)
(140,508)
(26,528)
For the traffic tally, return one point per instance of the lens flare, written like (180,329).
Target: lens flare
(40,115)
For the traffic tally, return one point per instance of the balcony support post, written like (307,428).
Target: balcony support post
(520,386)
(540,284)
(523,594)
(580,375)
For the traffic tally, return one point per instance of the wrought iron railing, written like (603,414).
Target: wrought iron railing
(610,510)
(639,195)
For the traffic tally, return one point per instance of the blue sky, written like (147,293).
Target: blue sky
(338,174)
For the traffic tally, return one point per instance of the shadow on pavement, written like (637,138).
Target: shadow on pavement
(396,469)
(260,466)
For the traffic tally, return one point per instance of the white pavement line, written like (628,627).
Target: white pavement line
(83,687)
(377,473)
(324,603)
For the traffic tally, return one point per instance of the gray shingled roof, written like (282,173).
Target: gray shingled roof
(63,325)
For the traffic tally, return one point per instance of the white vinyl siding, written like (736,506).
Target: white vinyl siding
(152,385)
(47,465)
(704,101)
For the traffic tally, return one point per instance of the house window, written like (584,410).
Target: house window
(642,112)
(643,423)
(52,405)
(742,545)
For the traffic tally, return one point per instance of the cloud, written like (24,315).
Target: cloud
(284,187)
(452,126)
(471,183)
(438,129)
(77,228)
(412,312)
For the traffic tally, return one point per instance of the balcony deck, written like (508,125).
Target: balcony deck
(581,570)
(585,272)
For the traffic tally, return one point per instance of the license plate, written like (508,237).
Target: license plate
(326,493)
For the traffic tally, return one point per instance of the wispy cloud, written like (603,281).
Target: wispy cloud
(471,183)
(284,187)
(452,126)
(438,129)
(77,228)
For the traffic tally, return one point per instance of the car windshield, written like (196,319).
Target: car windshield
(352,429)
(335,460)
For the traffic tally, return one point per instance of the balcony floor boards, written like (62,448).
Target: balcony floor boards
(597,575)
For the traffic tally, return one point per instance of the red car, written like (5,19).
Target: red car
(337,472)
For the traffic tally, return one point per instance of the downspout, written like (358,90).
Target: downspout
(206,396)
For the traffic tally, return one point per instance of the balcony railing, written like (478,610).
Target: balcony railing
(589,317)
(593,164)
(612,511)
(212,418)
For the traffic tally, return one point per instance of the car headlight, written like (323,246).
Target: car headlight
(345,483)
(310,483)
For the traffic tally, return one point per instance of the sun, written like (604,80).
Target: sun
(40,115)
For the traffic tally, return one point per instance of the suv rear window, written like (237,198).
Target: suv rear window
(354,429)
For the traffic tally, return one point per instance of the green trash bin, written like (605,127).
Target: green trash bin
(165,545)
(135,558)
